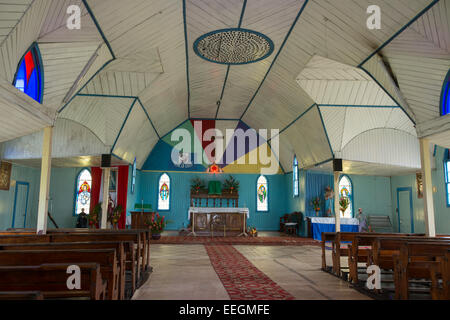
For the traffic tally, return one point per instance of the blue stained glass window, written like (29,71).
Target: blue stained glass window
(133,178)
(447,176)
(28,76)
(445,96)
(295,176)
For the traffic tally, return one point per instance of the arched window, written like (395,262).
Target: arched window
(164,192)
(133,177)
(295,177)
(28,77)
(262,194)
(447,176)
(83,191)
(346,191)
(445,96)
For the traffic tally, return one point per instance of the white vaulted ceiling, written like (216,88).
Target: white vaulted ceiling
(130,74)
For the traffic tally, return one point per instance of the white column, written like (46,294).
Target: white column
(46,167)
(337,212)
(430,227)
(106,177)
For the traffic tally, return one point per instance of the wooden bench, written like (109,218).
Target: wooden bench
(106,258)
(51,281)
(118,246)
(420,260)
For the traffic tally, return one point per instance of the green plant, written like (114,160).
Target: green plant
(115,214)
(344,202)
(316,204)
(94,216)
(231,183)
(197,185)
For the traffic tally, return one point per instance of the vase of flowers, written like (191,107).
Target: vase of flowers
(252,232)
(156,226)
(344,202)
(316,205)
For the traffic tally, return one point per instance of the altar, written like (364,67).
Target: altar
(320,225)
(224,219)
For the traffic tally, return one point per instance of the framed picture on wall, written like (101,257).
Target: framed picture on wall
(419,185)
(5,175)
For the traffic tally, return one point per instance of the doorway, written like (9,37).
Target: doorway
(405,210)
(20,204)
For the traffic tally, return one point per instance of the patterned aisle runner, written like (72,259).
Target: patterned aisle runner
(241,279)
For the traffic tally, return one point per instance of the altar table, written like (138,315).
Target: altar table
(234,219)
(320,225)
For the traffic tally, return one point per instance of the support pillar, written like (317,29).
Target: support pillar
(337,212)
(46,166)
(106,177)
(430,227)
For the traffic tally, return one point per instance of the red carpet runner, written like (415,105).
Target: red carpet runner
(241,279)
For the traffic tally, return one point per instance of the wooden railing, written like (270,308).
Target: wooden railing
(202,199)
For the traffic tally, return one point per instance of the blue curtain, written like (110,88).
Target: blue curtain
(316,182)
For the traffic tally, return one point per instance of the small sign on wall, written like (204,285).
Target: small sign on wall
(5,175)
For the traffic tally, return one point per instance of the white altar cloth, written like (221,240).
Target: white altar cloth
(216,209)
(322,220)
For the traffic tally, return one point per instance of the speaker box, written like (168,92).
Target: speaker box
(337,165)
(106,160)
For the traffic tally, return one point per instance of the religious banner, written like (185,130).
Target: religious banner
(5,175)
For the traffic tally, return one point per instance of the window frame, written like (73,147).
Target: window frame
(445,96)
(170,192)
(74,209)
(352,193)
(267,193)
(295,178)
(37,59)
(447,180)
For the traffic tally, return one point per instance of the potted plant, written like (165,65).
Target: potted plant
(316,205)
(231,184)
(93,217)
(197,185)
(156,225)
(252,232)
(344,202)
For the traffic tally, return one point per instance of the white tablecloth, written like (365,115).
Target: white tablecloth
(213,210)
(348,221)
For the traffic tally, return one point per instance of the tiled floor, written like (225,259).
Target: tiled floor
(185,272)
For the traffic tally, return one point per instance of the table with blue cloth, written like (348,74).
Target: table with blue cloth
(320,225)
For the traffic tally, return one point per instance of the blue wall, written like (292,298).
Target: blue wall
(180,190)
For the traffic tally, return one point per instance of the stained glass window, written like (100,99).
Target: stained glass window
(164,192)
(133,177)
(83,192)
(445,96)
(447,176)
(262,193)
(28,76)
(346,191)
(295,176)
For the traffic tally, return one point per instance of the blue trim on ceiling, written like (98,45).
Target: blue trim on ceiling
(123,124)
(148,117)
(276,157)
(445,96)
(187,59)
(105,95)
(356,106)
(271,45)
(323,162)
(421,13)
(276,56)
(228,67)
(91,13)
(325,130)
(387,92)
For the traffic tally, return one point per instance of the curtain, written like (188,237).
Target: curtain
(315,187)
(122,190)
(96,173)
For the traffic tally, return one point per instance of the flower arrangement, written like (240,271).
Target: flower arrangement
(232,184)
(115,215)
(344,202)
(156,224)
(252,232)
(316,205)
(197,185)
(93,217)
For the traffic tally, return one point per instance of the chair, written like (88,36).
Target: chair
(283,220)
(293,225)
(218,220)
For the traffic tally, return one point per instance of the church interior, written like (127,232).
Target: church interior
(225,149)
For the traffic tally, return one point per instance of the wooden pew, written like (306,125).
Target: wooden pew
(51,281)
(118,246)
(106,258)
(419,260)
(21,295)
